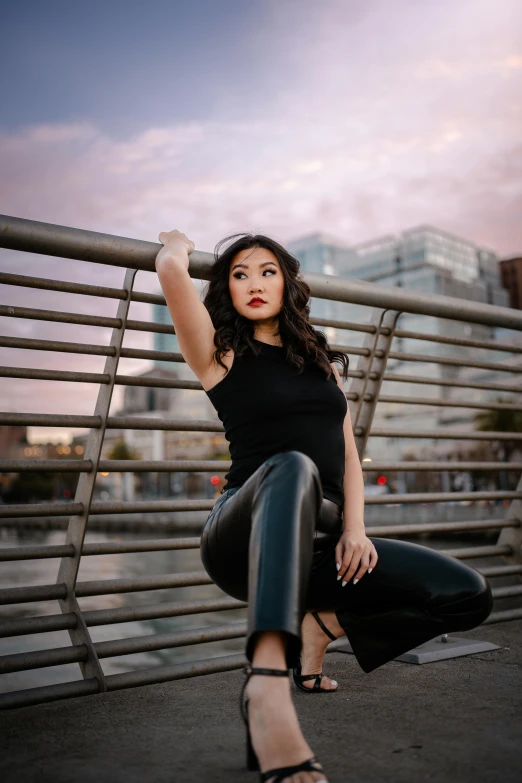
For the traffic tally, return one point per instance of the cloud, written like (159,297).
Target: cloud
(383,116)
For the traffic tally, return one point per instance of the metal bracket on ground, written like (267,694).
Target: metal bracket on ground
(438,649)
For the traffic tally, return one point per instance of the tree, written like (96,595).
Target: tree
(121,450)
(501,421)
(125,485)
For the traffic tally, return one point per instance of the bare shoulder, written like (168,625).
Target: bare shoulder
(215,372)
(337,376)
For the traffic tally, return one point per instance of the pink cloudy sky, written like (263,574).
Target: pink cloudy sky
(285,117)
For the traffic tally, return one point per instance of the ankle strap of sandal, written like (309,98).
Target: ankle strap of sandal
(323,626)
(255,670)
(272,672)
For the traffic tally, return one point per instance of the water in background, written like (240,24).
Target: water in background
(40,572)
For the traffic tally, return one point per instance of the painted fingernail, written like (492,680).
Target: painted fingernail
(343,584)
(355,581)
(370,570)
(338,577)
(337,565)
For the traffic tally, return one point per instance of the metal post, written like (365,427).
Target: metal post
(69,566)
(372,367)
(512,536)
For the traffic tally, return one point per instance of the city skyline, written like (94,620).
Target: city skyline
(357,120)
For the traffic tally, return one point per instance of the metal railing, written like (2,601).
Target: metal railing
(363,394)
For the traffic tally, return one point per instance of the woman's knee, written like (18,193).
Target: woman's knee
(297,463)
(472,602)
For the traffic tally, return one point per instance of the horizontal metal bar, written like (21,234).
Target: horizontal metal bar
(139,583)
(45,465)
(47,693)
(115,466)
(502,570)
(19,595)
(211,425)
(21,626)
(46,284)
(40,510)
(441,403)
(509,591)
(128,614)
(149,326)
(439,527)
(464,342)
(454,362)
(49,420)
(157,383)
(176,544)
(139,507)
(54,375)
(439,497)
(50,239)
(381,432)
(165,466)
(138,353)
(40,658)
(36,552)
(146,545)
(163,423)
(350,326)
(221,466)
(504,616)
(467,384)
(435,465)
(142,296)
(61,346)
(60,317)
(165,641)
(465,553)
(419,497)
(180,671)
(31,344)
(147,353)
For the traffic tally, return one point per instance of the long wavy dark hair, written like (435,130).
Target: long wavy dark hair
(301,341)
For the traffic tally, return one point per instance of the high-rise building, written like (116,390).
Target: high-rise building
(511,275)
(429,261)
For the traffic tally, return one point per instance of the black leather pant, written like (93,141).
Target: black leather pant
(272,542)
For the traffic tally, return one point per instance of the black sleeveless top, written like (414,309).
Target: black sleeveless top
(266,408)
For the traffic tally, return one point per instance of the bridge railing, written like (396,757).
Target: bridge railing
(363,394)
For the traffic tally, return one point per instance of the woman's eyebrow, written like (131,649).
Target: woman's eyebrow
(260,265)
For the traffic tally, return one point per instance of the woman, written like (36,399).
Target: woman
(287,533)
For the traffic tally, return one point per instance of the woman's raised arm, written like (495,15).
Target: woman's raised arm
(191,319)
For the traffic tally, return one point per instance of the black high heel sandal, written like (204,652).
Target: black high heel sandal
(279,774)
(300,678)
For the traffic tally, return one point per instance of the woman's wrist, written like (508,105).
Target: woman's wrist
(352,523)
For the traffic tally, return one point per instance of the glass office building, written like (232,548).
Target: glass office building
(429,261)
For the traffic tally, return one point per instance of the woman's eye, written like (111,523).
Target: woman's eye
(236,274)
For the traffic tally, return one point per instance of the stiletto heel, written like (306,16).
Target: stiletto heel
(300,678)
(279,774)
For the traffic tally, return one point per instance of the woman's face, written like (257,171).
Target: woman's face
(256,272)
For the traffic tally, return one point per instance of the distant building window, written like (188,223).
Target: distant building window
(151,401)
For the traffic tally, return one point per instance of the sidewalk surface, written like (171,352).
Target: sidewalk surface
(453,721)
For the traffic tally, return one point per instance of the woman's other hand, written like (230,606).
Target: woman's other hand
(175,246)
(354,551)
